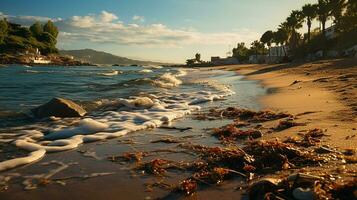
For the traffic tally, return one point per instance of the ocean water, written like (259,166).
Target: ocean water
(119,100)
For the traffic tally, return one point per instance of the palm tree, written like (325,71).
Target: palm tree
(336,9)
(293,23)
(281,37)
(198,57)
(323,13)
(309,12)
(267,38)
(257,47)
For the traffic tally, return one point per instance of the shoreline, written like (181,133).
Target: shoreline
(296,89)
(93,158)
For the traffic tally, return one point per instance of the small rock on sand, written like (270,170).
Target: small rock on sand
(59,107)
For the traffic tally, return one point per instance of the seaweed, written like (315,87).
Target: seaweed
(276,155)
(286,124)
(232,132)
(301,186)
(241,114)
(311,138)
(129,157)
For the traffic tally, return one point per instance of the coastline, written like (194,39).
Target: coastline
(319,98)
(98,176)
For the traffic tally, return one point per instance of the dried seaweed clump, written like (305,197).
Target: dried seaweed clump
(232,132)
(311,138)
(285,124)
(301,186)
(275,155)
(160,166)
(242,114)
(129,157)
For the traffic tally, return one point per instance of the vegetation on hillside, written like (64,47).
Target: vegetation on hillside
(99,57)
(15,38)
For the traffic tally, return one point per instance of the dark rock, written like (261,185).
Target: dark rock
(59,107)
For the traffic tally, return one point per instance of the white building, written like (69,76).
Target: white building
(40,60)
(279,51)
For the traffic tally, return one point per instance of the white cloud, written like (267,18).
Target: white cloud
(138,18)
(108,17)
(106,28)
(82,22)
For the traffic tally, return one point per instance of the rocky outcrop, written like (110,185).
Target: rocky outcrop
(59,107)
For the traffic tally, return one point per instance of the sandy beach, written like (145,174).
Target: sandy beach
(322,93)
(319,95)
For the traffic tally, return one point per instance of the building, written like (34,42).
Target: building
(276,54)
(255,59)
(279,51)
(40,60)
(216,60)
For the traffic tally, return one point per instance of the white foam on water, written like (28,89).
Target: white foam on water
(32,157)
(145,111)
(146,71)
(170,80)
(112,73)
(152,66)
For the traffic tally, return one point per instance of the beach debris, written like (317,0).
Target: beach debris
(295,82)
(276,155)
(287,123)
(129,157)
(188,186)
(311,138)
(241,115)
(181,129)
(326,149)
(349,152)
(260,188)
(232,132)
(158,166)
(166,140)
(59,107)
(302,187)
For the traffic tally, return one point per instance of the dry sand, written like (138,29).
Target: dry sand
(324,93)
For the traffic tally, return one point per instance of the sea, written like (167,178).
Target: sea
(119,100)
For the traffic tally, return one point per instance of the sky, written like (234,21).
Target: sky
(158,30)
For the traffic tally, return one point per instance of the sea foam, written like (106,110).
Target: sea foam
(136,113)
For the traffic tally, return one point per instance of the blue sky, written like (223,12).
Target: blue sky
(163,30)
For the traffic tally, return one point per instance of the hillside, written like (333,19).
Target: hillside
(99,57)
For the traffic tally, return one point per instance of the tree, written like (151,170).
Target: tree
(267,38)
(3,30)
(348,21)
(36,29)
(323,13)
(50,28)
(293,23)
(241,52)
(257,47)
(280,37)
(336,9)
(48,39)
(198,57)
(190,62)
(309,12)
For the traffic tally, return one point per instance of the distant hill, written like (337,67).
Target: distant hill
(100,57)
